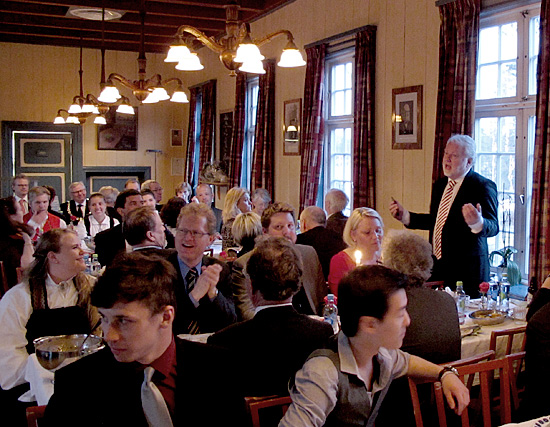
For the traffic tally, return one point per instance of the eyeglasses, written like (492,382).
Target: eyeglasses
(185,232)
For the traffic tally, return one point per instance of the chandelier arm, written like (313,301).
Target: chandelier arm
(203,38)
(172,79)
(269,37)
(123,80)
(155,80)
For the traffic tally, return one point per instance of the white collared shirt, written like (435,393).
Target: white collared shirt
(96,226)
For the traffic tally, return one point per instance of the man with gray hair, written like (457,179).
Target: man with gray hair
(463,214)
(326,243)
(76,208)
(156,189)
(335,202)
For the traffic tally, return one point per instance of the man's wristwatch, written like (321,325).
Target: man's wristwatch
(445,370)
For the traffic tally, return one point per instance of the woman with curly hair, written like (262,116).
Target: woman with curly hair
(237,200)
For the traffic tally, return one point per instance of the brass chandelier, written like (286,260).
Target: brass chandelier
(235,48)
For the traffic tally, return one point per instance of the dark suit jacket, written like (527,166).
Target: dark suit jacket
(99,391)
(211,315)
(109,243)
(218,215)
(314,285)
(336,222)
(271,347)
(326,243)
(72,205)
(537,356)
(465,255)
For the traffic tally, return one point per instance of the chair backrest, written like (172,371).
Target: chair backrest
(515,364)
(3,279)
(435,285)
(467,368)
(509,335)
(34,413)
(255,404)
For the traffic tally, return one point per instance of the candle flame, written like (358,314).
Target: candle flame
(358,256)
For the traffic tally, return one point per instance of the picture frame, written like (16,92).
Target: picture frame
(226,135)
(176,137)
(292,127)
(407,118)
(120,132)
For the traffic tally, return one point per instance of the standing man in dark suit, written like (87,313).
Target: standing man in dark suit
(193,383)
(78,206)
(278,336)
(335,202)
(203,284)
(463,214)
(110,242)
(205,195)
(326,243)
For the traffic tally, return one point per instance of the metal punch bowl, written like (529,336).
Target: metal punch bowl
(487,317)
(52,351)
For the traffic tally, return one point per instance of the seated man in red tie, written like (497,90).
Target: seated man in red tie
(145,376)
(76,208)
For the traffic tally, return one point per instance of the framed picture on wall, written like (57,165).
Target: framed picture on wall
(120,132)
(176,137)
(407,118)
(292,122)
(226,133)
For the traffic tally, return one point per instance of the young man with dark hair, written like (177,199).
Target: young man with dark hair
(193,382)
(278,337)
(144,230)
(346,384)
(110,242)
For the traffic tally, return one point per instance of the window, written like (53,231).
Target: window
(337,167)
(251,105)
(196,159)
(505,120)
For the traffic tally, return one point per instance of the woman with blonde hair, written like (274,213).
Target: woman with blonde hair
(237,200)
(246,227)
(363,234)
(53,299)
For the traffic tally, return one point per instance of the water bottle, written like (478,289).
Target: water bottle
(493,292)
(330,312)
(504,293)
(96,266)
(461,302)
(88,264)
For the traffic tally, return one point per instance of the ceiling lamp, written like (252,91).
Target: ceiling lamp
(147,91)
(236,48)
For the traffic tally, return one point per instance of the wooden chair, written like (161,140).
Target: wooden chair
(255,404)
(515,365)
(508,335)
(34,413)
(470,361)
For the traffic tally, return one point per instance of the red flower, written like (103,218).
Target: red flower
(484,287)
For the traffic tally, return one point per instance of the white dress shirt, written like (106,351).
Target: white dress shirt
(96,226)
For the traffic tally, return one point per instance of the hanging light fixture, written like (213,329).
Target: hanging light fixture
(147,91)
(236,48)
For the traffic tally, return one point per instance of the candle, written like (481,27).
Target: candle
(358,256)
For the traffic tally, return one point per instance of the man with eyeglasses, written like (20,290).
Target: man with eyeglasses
(77,208)
(203,288)
(463,214)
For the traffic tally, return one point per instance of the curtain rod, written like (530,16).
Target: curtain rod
(339,36)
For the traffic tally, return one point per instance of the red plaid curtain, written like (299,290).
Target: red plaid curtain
(237,141)
(312,128)
(189,173)
(457,74)
(539,253)
(208,122)
(264,144)
(363,127)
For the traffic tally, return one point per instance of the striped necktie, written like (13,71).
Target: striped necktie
(442,213)
(190,280)
(154,406)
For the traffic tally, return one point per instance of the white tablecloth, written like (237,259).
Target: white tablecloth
(539,422)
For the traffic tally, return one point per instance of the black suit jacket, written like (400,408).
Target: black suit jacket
(326,243)
(99,391)
(465,255)
(219,220)
(108,244)
(69,208)
(211,315)
(271,347)
(336,222)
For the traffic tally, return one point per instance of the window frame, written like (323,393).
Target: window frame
(252,85)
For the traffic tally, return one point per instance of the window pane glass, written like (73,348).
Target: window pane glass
(508,79)
(534,38)
(487,86)
(509,41)
(488,39)
(508,134)
(339,77)
(507,166)
(338,103)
